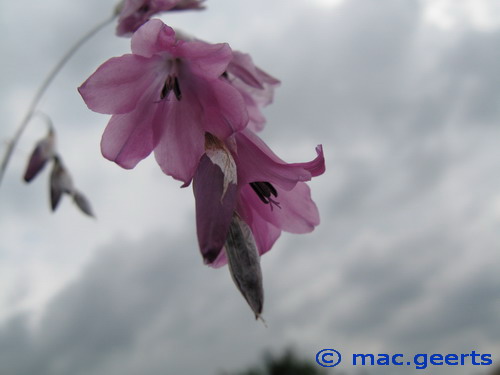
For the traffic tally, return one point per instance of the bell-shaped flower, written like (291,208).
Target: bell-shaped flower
(272,196)
(164,97)
(132,14)
(42,153)
(255,85)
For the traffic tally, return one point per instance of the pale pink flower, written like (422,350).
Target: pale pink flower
(268,194)
(164,97)
(132,14)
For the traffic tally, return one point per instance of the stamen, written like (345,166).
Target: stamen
(165,90)
(171,83)
(272,189)
(177,89)
(264,191)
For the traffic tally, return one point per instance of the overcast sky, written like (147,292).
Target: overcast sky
(404,95)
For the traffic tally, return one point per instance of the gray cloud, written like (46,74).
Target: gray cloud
(404,260)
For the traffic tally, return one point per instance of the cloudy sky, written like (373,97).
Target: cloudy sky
(404,95)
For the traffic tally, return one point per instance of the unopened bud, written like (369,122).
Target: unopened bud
(43,152)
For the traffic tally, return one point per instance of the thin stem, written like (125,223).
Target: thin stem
(42,89)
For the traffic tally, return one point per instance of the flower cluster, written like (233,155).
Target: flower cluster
(197,106)
(60,182)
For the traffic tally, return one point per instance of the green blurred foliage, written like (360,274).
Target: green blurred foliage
(288,363)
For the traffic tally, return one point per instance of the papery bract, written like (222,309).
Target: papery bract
(165,96)
(244,264)
(132,14)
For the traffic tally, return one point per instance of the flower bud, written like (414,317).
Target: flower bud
(44,151)
(60,182)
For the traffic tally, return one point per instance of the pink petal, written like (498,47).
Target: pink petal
(118,85)
(152,38)
(243,68)
(223,110)
(249,78)
(204,59)
(256,119)
(297,213)
(181,139)
(134,13)
(221,259)
(257,162)
(129,138)
(214,208)
(265,233)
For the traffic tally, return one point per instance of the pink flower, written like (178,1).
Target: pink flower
(132,14)
(268,194)
(164,97)
(256,86)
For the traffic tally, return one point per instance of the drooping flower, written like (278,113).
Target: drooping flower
(271,195)
(245,196)
(44,151)
(255,85)
(61,184)
(164,97)
(132,14)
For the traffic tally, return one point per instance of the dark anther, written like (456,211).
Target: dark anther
(225,75)
(177,89)
(264,190)
(171,83)
(165,90)
(143,9)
